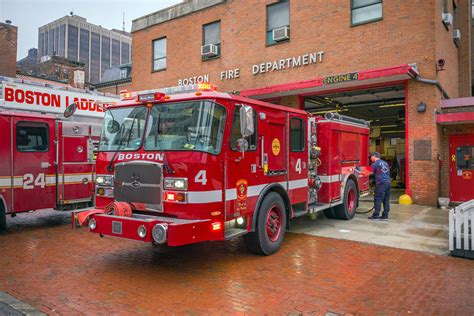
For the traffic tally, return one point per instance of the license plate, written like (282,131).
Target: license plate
(117,228)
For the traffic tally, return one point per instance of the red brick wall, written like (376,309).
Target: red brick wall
(405,35)
(8,47)
(410,32)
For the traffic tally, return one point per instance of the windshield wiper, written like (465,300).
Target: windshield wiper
(119,146)
(165,162)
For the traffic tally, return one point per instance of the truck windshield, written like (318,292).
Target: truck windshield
(123,129)
(197,125)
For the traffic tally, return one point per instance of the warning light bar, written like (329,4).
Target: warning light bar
(163,94)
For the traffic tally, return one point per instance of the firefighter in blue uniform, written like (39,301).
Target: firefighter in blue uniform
(381,171)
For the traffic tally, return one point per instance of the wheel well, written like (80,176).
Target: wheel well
(283,194)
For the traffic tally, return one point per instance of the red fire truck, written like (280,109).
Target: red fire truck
(178,167)
(47,161)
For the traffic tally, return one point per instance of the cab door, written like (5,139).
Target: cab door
(33,164)
(241,169)
(461,148)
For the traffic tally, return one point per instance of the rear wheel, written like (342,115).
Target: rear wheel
(348,208)
(271,225)
(3,218)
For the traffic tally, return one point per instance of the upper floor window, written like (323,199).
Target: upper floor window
(364,11)
(278,18)
(211,40)
(159,54)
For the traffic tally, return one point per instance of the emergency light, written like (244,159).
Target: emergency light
(163,94)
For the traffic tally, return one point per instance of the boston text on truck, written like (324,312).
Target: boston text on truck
(190,164)
(47,161)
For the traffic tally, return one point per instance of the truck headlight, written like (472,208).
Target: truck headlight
(106,180)
(92,224)
(176,183)
(142,231)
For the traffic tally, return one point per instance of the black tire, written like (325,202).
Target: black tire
(329,213)
(271,226)
(349,205)
(3,217)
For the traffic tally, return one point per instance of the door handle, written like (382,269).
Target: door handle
(45,165)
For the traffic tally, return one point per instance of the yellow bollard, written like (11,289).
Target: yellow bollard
(405,199)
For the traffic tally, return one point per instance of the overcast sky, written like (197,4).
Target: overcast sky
(29,15)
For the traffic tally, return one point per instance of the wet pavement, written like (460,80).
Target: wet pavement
(58,270)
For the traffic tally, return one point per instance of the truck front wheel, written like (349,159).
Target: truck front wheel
(349,205)
(271,225)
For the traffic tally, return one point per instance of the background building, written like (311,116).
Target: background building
(8,47)
(116,79)
(392,63)
(74,38)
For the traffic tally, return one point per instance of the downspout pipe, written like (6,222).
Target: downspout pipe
(434,82)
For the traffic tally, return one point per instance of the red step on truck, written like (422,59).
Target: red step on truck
(189,164)
(47,161)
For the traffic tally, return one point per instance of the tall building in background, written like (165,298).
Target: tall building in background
(8,46)
(76,39)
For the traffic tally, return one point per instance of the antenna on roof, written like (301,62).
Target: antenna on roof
(123,25)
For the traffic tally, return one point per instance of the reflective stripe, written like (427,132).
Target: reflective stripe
(70,178)
(50,180)
(330,179)
(255,190)
(298,184)
(197,197)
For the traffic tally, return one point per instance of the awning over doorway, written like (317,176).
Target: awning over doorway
(464,111)
(346,80)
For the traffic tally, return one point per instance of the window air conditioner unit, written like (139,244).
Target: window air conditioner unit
(281,34)
(457,35)
(447,19)
(209,50)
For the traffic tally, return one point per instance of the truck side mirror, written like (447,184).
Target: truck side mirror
(70,110)
(246,121)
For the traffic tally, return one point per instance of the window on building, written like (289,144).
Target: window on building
(278,16)
(62,40)
(73,34)
(235,134)
(84,47)
(444,6)
(94,74)
(105,58)
(123,73)
(159,54)
(125,53)
(211,34)
(32,136)
(465,157)
(364,11)
(296,134)
(115,52)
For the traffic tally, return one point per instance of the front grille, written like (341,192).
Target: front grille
(138,182)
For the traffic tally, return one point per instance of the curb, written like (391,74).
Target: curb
(10,306)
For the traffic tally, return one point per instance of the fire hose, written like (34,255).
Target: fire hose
(114,208)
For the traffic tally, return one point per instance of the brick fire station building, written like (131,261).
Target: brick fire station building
(402,65)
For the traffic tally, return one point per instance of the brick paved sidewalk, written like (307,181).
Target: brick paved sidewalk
(61,271)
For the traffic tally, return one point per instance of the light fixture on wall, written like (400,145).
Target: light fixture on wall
(421,107)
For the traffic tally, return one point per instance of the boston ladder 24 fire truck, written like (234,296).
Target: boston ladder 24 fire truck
(46,160)
(189,164)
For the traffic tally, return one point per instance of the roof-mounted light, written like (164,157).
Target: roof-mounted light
(150,97)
